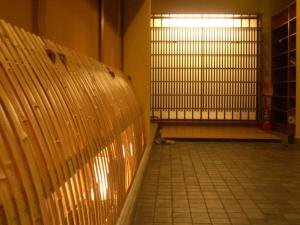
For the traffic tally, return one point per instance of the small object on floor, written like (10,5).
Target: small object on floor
(162,141)
(159,140)
(154,118)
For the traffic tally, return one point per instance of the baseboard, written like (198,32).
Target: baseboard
(127,212)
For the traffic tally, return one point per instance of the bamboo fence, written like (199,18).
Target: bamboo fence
(71,134)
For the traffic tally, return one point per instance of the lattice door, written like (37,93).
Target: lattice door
(205,67)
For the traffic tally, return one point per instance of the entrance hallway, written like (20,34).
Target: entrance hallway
(214,183)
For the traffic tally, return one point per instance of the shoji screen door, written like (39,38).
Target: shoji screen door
(205,67)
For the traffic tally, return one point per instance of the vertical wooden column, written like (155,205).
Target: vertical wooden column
(298,72)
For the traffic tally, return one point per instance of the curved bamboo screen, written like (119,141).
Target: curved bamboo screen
(71,134)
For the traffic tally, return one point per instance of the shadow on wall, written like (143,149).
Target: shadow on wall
(129,15)
(93,3)
(112,12)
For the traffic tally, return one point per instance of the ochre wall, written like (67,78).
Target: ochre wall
(111,37)
(72,23)
(137,51)
(20,13)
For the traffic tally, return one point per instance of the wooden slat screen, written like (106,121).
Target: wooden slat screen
(205,67)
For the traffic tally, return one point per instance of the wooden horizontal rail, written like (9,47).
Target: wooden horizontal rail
(71,138)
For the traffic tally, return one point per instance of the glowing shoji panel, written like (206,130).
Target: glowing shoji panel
(205,67)
(71,134)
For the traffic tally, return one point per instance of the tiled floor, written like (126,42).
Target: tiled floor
(214,183)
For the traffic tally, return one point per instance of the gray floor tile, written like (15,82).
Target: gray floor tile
(207,183)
